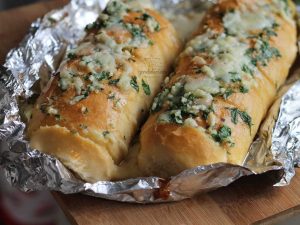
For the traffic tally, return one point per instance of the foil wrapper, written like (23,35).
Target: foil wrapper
(277,146)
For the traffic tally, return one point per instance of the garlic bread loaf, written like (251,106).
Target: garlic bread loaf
(224,82)
(90,111)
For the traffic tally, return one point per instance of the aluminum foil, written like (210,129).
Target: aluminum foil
(31,64)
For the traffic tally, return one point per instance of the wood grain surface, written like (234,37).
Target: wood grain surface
(251,200)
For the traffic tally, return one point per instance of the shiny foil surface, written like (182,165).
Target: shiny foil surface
(277,146)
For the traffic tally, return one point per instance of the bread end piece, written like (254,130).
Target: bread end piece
(74,151)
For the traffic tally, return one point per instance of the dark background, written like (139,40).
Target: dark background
(6,4)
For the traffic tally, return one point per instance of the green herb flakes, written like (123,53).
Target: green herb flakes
(57,117)
(150,42)
(176,117)
(104,75)
(111,96)
(228,92)
(236,113)
(263,54)
(244,90)
(145,16)
(92,26)
(247,70)
(72,55)
(146,88)
(114,82)
(246,118)
(206,113)
(222,134)
(134,84)
(105,133)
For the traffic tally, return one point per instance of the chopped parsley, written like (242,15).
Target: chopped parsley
(228,92)
(57,117)
(222,134)
(201,48)
(72,55)
(269,31)
(111,96)
(134,84)
(150,42)
(286,6)
(176,117)
(104,75)
(185,105)
(235,77)
(145,16)
(236,114)
(262,54)
(246,118)
(91,26)
(247,70)
(244,90)
(159,100)
(105,133)
(157,27)
(146,88)
(135,30)
(113,82)
(98,24)
(206,113)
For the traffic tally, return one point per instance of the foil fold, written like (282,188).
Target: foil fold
(29,66)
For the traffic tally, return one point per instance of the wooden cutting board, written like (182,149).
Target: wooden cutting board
(247,201)
(250,200)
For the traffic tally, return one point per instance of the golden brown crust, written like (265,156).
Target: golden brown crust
(167,148)
(88,152)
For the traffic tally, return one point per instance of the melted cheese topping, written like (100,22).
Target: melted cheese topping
(241,22)
(228,55)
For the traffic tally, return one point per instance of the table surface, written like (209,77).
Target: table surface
(247,201)
(250,200)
